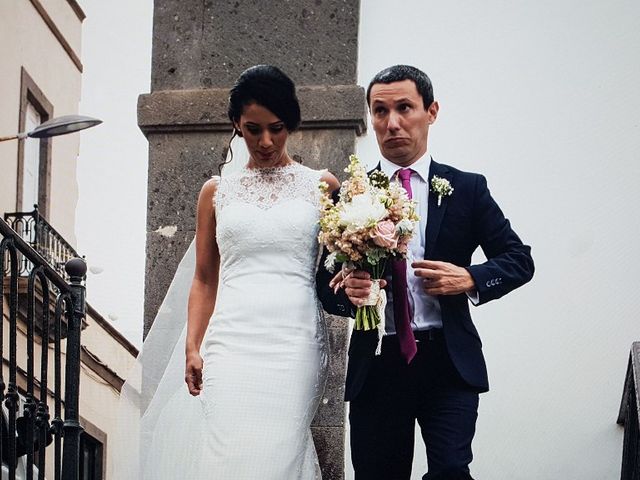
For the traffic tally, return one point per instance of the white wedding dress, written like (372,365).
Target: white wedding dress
(265,351)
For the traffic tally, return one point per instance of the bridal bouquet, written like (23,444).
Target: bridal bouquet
(373,221)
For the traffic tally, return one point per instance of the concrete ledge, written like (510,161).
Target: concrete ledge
(325,107)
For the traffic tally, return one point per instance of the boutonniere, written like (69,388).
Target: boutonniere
(441,187)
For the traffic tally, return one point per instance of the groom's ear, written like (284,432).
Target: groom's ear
(432,112)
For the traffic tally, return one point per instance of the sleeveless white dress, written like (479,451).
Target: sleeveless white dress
(265,351)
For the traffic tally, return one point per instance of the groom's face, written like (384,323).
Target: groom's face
(400,121)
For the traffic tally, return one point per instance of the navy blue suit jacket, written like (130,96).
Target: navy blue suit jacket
(466,220)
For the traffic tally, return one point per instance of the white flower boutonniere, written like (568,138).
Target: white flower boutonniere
(441,187)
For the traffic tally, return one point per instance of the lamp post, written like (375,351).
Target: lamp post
(57,126)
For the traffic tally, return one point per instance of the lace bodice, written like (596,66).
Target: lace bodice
(264,187)
(267,224)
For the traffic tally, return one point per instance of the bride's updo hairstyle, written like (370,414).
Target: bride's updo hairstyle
(269,87)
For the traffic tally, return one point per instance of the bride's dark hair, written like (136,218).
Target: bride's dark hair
(269,87)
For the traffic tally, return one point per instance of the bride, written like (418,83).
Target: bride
(256,347)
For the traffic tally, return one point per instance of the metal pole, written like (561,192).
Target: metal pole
(77,269)
(18,136)
(11,137)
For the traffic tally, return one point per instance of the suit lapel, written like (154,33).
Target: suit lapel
(435,213)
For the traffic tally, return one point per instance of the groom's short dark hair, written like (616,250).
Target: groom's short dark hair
(398,73)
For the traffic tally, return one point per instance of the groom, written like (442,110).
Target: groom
(431,368)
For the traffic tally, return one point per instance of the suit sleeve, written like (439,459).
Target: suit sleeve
(509,263)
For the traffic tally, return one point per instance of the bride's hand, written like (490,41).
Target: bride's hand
(193,373)
(337,282)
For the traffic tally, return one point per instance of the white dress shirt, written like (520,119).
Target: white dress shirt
(425,309)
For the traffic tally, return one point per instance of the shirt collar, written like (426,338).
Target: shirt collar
(421,167)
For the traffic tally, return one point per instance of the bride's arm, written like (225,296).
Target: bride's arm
(202,296)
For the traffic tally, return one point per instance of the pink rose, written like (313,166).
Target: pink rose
(384,235)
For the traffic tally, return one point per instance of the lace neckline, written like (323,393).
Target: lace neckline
(265,187)
(266,171)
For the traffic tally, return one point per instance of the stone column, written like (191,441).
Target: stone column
(199,49)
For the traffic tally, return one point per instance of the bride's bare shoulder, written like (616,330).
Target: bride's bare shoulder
(210,186)
(208,191)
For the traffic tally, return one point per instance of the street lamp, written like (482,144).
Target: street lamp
(57,126)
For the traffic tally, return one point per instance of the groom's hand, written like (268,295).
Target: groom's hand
(443,278)
(356,284)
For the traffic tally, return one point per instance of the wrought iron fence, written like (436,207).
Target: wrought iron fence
(43,238)
(49,308)
(629,417)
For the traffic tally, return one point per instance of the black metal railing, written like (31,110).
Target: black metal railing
(43,238)
(27,428)
(629,415)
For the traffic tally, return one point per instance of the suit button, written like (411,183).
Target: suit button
(341,308)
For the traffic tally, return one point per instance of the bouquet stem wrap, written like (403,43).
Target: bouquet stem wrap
(371,314)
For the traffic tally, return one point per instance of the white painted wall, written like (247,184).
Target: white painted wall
(542,97)
(112,171)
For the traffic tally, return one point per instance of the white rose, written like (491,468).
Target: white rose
(363,210)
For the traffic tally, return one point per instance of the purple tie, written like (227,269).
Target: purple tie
(401,311)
